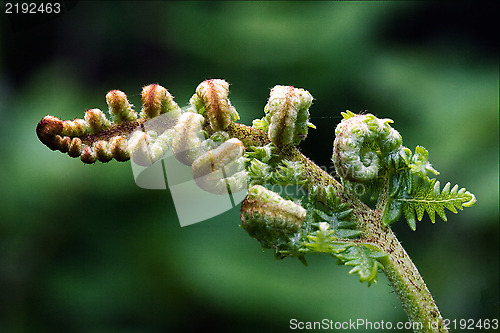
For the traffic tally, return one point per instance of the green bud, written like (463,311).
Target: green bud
(187,142)
(119,107)
(269,218)
(222,169)
(211,99)
(288,108)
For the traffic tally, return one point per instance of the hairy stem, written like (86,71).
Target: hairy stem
(398,267)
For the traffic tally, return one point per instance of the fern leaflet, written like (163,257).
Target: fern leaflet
(429,197)
(364,260)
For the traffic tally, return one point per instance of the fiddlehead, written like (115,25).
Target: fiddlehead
(365,145)
(211,100)
(96,138)
(287,115)
(222,169)
(187,144)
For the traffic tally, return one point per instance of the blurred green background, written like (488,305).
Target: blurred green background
(83,249)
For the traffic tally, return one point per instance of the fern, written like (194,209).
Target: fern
(338,236)
(266,167)
(332,217)
(429,198)
(365,260)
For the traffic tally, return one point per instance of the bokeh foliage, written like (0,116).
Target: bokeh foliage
(83,249)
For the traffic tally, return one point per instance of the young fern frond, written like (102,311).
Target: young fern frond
(364,259)
(427,197)
(225,156)
(338,236)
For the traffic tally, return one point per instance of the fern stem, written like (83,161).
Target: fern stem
(398,267)
(409,285)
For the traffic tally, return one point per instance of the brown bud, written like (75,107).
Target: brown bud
(47,129)
(96,119)
(103,151)
(76,127)
(212,95)
(119,107)
(75,148)
(88,155)
(157,100)
(119,150)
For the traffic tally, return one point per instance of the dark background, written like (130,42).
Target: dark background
(83,249)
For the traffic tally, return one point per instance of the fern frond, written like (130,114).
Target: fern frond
(288,173)
(364,259)
(420,165)
(429,197)
(262,153)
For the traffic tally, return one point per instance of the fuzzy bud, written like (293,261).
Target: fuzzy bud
(288,108)
(76,127)
(103,151)
(211,98)
(268,217)
(75,147)
(119,107)
(221,170)
(96,120)
(188,138)
(118,147)
(47,129)
(157,100)
(146,147)
(88,155)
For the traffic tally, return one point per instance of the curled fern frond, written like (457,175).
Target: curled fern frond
(427,197)
(364,146)
(269,218)
(97,138)
(287,115)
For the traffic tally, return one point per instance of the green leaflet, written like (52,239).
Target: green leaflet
(365,260)
(289,173)
(420,165)
(324,240)
(266,167)
(408,196)
(262,124)
(427,197)
(392,212)
(263,153)
(326,228)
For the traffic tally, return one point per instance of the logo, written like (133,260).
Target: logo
(206,176)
